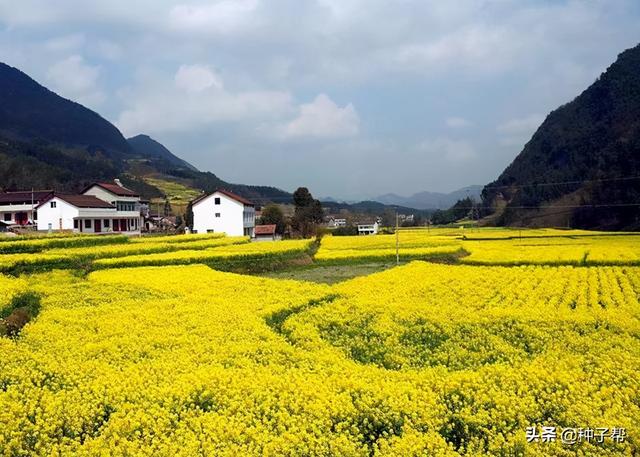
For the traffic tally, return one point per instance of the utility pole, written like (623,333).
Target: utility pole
(476,213)
(32,218)
(397,241)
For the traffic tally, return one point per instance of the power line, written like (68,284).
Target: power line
(611,205)
(558,183)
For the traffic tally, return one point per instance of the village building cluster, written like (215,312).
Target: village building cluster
(113,208)
(99,208)
(110,207)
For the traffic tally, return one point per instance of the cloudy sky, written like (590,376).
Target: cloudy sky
(352,98)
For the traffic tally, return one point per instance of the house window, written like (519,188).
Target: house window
(125,206)
(53,204)
(209,231)
(217,214)
(87,223)
(75,223)
(106,223)
(216,200)
(7,217)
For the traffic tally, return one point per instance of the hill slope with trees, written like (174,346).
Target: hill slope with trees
(581,167)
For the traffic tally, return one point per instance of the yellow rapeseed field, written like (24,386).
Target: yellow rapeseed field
(413,244)
(9,288)
(422,359)
(224,253)
(59,257)
(573,250)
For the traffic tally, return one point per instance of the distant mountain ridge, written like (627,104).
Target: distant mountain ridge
(580,168)
(431,200)
(368,207)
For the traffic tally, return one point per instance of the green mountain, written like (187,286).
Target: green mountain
(145,146)
(581,168)
(49,142)
(31,112)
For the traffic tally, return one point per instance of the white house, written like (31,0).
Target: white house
(18,208)
(80,213)
(368,228)
(126,202)
(223,211)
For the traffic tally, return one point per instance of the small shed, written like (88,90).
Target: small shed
(265,232)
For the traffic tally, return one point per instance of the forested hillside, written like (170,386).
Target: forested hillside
(582,166)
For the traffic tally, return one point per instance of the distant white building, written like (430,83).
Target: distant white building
(368,228)
(336,222)
(18,208)
(224,211)
(406,217)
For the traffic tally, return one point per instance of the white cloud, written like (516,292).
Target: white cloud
(223,16)
(196,98)
(323,118)
(109,50)
(67,43)
(196,78)
(457,122)
(77,80)
(482,48)
(452,150)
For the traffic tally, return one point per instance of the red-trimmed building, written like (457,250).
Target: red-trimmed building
(18,208)
(126,202)
(100,208)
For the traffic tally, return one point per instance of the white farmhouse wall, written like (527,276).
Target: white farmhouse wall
(230,220)
(61,217)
